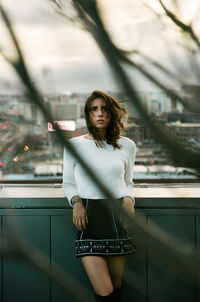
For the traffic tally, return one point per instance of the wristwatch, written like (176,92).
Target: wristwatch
(133,200)
(75,200)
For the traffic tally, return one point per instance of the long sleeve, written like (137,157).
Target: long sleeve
(69,185)
(129,170)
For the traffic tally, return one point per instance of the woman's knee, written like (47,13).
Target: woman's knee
(104,289)
(110,297)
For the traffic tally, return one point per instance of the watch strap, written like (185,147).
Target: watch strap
(75,200)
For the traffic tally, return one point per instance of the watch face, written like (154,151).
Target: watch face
(76,200)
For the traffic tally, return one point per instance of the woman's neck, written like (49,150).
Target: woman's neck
(101,136)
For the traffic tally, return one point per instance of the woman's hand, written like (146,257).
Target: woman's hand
(80,218)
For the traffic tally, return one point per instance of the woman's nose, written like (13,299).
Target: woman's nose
(100,112)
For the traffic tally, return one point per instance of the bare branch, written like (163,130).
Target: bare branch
(191,107)
(85,18)
(35,97)
(112,54)
(149,60)
(15,246)
(114,58)
(60,8)
(186,28)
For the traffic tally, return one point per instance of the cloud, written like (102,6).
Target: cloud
(29,12)
(61,56)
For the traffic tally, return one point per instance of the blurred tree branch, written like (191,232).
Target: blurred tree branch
(191,107)
(34,96)
(88,13)
(186,28)
(123,54)
(14,246)
(158,234)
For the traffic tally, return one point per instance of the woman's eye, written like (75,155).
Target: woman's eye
(93,108)
(104,108)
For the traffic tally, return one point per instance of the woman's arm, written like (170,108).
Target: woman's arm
(128,200)
(128,176)
(69,185)
(80,218)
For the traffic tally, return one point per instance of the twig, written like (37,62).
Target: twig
(186,28)
(15,246)
(177,152)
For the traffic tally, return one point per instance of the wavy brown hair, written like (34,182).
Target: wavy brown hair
(116,111)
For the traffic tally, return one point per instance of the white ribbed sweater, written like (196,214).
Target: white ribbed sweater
(114,168)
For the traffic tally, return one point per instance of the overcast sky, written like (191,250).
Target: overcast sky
(64,58)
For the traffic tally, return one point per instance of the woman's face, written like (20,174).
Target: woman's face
(99,115)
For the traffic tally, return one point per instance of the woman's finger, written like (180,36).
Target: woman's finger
(86,218)
(84,224)
(74,220)
(81,224)
(76,223)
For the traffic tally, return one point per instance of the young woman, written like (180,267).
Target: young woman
(102,240)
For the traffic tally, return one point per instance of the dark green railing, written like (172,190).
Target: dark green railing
(152,273)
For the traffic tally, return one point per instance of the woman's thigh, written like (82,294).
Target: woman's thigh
(98,273)
(116,266)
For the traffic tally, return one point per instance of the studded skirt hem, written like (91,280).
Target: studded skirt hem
(105,234)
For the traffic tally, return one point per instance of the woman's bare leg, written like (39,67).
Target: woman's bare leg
(98,273)
(116,265)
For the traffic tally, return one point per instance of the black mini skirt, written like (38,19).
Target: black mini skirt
(105,234)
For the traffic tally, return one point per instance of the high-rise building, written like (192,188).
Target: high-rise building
(33,113)
(65,110)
